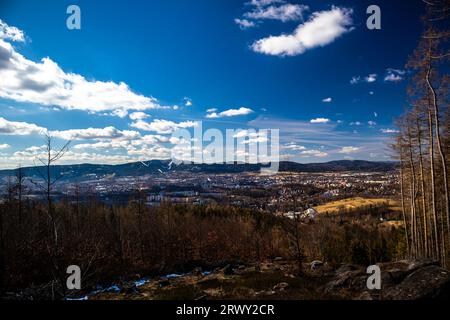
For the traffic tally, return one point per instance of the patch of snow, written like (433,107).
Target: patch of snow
(141,282)
(113,288)
(173,275)
(78,299)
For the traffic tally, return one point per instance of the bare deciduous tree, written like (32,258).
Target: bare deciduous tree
(51,156)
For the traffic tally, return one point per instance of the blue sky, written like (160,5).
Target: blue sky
(139,69)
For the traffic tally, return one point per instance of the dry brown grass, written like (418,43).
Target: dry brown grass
(355,203)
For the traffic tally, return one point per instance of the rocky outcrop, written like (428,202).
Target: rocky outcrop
(279,279)
(431,282)
(402,280)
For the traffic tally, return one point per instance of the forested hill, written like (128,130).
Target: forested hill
(163,166)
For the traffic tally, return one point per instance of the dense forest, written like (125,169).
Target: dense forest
(109,242)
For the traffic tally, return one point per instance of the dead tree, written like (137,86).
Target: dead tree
(422,181)
(436,109)
(399,148)
(20,186)
(2,250)
(51,156)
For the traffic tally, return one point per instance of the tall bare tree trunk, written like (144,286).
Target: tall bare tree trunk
(433,184)
(2,252)
(422,182)
(438,139)
(402,188)
(413,196)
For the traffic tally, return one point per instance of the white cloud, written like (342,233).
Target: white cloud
(389,131)
(19,128)
(313,153)
(96,134)
(321,29)
(245,133)
(108,133)
(151,152)
(4,146)
(107,145)
(35,149)
(229,113)
(127,142)
(262,3)
(244,23)
(294,147)
(330,135)
(394,75)
(187,102)
(256,140)
(151,139)
(236,112)
(320,120)
(27,157)
(356,123)
(355,80)
(327,100)
(11,33)
(211,110)
(179,141)
(121,113)
(371,123)
(398,71)
(347,150)
(162,126)
(138,115)
(143,148)
(251,137)
(45,83)
(393,78)
(284,13)
(371,78)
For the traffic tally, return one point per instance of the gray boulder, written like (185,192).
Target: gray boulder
(401,280)
(429,282)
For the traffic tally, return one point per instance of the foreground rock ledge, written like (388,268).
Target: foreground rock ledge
(277,279)
(402,280)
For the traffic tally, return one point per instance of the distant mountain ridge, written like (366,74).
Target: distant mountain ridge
(80,171)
